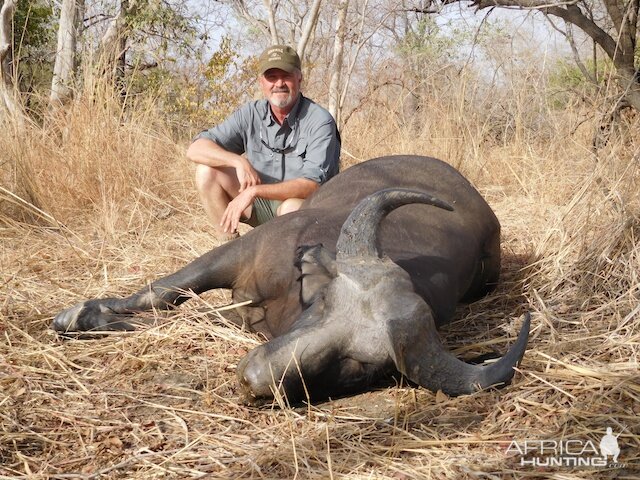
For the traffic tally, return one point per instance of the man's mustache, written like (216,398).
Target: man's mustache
(280,90)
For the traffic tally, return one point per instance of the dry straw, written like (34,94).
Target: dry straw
(98,201)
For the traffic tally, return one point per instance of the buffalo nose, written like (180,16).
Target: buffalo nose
(253,375)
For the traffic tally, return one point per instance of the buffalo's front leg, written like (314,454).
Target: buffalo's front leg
(94,315)
(215,269)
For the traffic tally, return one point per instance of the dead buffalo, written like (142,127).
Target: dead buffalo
(346,299)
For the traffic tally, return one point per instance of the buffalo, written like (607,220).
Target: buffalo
(350,289)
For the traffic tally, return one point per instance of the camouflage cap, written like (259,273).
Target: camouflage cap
(279,56)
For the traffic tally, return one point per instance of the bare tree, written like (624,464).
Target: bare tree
(113,44)
(246,13)
(300,17)
(271,13)
(616,33)
(336,64)
(364,27)
(309,27)
(65,62)
(8,103)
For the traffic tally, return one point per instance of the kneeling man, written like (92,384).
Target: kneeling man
(269,155)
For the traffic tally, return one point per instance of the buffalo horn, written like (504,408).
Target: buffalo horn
(433,367)
(358,233)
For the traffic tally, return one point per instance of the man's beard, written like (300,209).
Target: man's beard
(280,102)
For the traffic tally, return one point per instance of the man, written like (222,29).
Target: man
(269,155)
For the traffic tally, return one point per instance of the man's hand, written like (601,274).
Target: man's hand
(247,176)
(235,209)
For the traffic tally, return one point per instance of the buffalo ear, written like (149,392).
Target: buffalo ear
(317,267)
(411,335)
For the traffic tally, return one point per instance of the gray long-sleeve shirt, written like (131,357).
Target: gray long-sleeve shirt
(306,145)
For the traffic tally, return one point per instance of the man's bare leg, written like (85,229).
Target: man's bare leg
(217,187)
(289,205)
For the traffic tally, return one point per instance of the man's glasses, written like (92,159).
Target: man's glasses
(293,140)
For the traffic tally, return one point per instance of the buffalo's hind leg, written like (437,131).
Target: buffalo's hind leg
(215,269)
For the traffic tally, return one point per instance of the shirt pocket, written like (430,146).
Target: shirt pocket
(264,161)
(294,160)
(255,146)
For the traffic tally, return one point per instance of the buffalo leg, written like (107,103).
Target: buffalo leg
(215,269)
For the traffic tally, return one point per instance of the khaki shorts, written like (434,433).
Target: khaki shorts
(263,210)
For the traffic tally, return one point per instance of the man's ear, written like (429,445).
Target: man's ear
(317,267)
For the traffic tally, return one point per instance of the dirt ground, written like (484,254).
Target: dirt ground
(163,402)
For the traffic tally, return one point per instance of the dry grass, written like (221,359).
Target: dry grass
(163,402)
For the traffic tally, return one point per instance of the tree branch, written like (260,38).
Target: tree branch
(521,4)
(241,10)
(620,50)
(6,19)
(271,15)
(571,14)
(309,27)
(568,34)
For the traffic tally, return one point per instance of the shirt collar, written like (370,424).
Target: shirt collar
(293,114)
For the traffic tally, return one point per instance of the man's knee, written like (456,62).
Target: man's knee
(205,177)
(289,205)
(210,177)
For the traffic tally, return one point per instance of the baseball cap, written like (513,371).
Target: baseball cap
(279,56)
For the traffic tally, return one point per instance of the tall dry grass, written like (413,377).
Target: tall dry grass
(98,200)
(94,157)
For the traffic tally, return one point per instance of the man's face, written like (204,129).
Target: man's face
(281,88)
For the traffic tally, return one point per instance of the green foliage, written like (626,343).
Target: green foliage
(34,38)
(33,25)
(161,35)
(566,79)
(426,43)
(204,94)
(229,78)
(566,75)
(431,47)
(164,26)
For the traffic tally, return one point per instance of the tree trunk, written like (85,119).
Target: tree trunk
(620,47)
(273,30)
(336,63)
(309,28)
(121,61)
(6,52)
(629,81)
(65,64)
(9,106)
(113,45)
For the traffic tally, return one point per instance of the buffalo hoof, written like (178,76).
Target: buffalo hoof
(90,316)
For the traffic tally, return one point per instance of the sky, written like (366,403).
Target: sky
(527,30)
